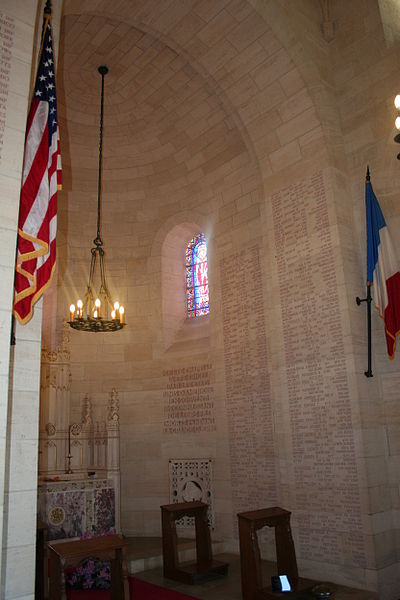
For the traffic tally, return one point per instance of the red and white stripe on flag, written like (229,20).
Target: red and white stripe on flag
(37,224)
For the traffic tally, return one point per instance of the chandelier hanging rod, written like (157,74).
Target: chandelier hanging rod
(103,70)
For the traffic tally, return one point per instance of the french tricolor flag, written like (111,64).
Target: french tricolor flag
(382,269)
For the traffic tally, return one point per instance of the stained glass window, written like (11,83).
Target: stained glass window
(197,277)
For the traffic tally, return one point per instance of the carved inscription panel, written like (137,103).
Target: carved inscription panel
(248,401)
(189,400)
(7,31)
(325,475)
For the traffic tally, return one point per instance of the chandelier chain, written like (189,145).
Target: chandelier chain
(103,71)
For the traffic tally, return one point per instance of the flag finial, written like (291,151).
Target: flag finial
(367,177)
(47,8)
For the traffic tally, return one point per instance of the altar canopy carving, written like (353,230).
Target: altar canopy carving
(76,453)
(77,448)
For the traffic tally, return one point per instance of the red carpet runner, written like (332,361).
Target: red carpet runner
(139,590)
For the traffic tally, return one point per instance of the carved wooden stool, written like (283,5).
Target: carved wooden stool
(250,559)
(192,572)
(41,582)
(66,553)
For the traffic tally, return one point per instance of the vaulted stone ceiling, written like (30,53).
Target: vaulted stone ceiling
(157,106)
(202,104)
(188,86)
(166,128)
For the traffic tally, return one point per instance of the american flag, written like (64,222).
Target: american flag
(37,224)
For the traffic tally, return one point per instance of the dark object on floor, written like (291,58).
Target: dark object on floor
(322,592)
(280,583)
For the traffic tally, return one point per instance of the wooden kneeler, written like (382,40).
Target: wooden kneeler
(250,559)
(204,568)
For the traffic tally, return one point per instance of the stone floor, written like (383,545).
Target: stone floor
(223,588)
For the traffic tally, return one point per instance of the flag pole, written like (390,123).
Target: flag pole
(46,15)
(368,300)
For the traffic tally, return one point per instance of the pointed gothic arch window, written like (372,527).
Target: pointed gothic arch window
(197,296)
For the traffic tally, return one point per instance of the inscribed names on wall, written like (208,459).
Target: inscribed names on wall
(7,31)
(326,481)
(248,401)
(189,399)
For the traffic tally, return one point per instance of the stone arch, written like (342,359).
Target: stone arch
(302,38)
(239,75)
(168,267)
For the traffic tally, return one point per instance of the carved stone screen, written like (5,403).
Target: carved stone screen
(325,475)
(191,480)
(248,400)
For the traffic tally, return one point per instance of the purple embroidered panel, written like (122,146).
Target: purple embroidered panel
(79,508)
(104,511)
(197,295)
(66,516)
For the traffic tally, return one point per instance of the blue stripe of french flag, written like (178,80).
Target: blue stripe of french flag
(382,269)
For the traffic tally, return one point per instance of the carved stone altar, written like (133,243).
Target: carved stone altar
(77,508)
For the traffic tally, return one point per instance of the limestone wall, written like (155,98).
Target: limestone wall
(251,122)
(365,67)
(18,481)
(20,364)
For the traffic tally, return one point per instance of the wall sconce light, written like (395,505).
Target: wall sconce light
(397,121)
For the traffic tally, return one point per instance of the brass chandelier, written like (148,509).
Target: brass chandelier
(97,312)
